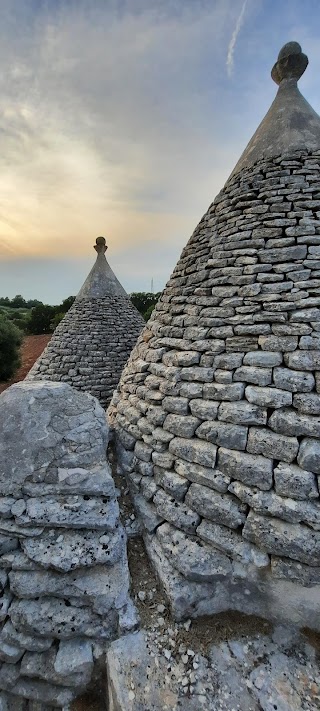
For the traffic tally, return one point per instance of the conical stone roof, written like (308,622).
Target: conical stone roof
(93,341)
(217,413)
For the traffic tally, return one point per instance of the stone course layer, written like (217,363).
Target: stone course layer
(217,413)
(63,564)
(91,345)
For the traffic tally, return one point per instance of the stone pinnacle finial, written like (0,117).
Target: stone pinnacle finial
(291,63)
(100,245)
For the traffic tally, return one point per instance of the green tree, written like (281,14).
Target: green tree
(40,319)
(18,302)
(56,320)
(66,304)
(143,300)
(10,342)
(148,312)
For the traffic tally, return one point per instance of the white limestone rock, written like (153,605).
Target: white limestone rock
(31,643)
(232,544)
(270,504)
(289,540)
(269,444)
(291,480)
(177,513)
(193,451)
(100,587)
(212,478)
(69,550)
(251,469)
(194,559)
(221,508)
(52,617)
(68,427)
(71,512)
(309,455)
(49,694)
(42,666)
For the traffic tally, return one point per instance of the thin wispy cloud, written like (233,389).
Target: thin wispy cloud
(116,119)
(233,41)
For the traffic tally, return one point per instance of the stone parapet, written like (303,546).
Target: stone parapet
(63,564)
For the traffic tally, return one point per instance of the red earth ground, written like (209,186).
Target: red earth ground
(31,349)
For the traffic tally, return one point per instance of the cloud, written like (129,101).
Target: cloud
(116,119)
(232,43)
(104,120)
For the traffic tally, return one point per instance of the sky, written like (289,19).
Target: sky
(124,118)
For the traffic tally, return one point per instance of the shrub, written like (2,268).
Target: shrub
(56,320)
(10,342)
(40,320)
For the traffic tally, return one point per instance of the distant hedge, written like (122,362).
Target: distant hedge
(10,342)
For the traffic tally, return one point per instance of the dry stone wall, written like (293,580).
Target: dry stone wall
(217,414)
(63,565)
(91,345)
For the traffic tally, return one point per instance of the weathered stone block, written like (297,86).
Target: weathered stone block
(49,694)
(177,513)
(180,425)
(30,642)
(309,455)
(263,359)
(286,569)
(308,403)
(190,390)
(221,508)
(193,558)
(283,255)
(294,482)
(252,374)
(193,451)
(228,361)
(303,360)
(290,540)
(278,343)
(177,405)
(262,441)
(223,434)
(290,422)
(242,413)
(41,666)
(100,587)
(51,617)
(269,504)
(62,427)
(181,358)
(142,451)
(147,513)
(204,409)
(268,397)
(203,375)
(71,512)
(173,484)
(69,550)
(232,544)
(220,391)
(293,380)
(213,478)
(249,468)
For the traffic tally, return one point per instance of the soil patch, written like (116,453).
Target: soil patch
(31,349)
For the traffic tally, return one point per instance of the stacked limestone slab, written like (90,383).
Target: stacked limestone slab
(217,413)
(92,343)
(63,565)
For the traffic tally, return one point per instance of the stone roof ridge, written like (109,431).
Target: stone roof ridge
(291,124)
(101,281)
